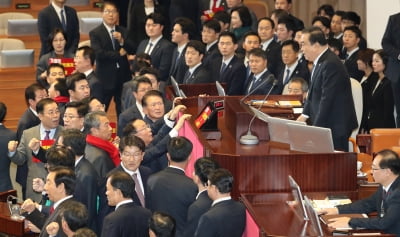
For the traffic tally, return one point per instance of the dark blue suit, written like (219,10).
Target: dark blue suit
(224,219)
(274,57)
(390,223)
(6,135)
(178,66)
(301,70)
(352,68)
(264,88)
(48,20)
(330,102)
(196,210)
(199,76)
(234,75)
(127,116)
(160,56)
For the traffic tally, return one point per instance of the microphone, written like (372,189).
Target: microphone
(249,138)
(268,80)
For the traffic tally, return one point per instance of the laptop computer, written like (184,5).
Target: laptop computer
(298,197)
(16,27)
(310,139)
(176,88)
(278,129)
(86,24)
(313,217)
(220,89)
(16,58)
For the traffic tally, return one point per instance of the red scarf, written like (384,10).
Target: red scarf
(61,99)
(106,146)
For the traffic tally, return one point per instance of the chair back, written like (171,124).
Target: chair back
(384,138)
(260,8)
(4,17)
(9,44)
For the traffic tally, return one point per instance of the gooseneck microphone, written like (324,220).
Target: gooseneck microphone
(249,138)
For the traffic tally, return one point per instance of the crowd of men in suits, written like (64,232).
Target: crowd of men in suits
(65,146)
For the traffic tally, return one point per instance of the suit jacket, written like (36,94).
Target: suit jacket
(196,210)
(352,68)
(172,192)
(145,173)
(127,116)
(23,155)
(48,20)
(390,222)
(100,160)
(226,218)
(107,58)
(41,219)
(199,76)
(380,110)
(96,88)
(43,65)
(234,75)
(274,57)
(301,70)
(6,135)
(160,56)
(155,156)
(264,88)
(86,189)
(128,220)
(211,55)
(178,66)
(368,86)
(330,102)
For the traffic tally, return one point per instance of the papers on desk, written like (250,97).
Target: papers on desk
(279,104)
(329,203)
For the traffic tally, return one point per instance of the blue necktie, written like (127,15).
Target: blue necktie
(63,22)
(287,76)
(223,68)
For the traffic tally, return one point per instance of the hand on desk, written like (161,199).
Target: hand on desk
(328,211)
(340,222)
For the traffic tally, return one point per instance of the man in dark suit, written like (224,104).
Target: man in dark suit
(57,15)
(197,73)
(329,102)
(229,68)
(33,94)
(111,47)
(260,81)
(391,46)
(385,170)
(25,150)
(84,63)
(5,136)
(293,66)
(182,32)
(128,219)
(202,168)
(159,48)
(143,85)
(132,150)
(272,48)
(286,5)
(60,185)
(351,38)
(209,36)
(226,217)
(353,19)
(170,190)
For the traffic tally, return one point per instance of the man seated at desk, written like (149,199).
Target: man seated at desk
(385,201)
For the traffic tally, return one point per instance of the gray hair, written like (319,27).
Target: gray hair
(92,119)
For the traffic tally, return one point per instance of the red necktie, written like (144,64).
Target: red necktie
(214,5)
(51,210)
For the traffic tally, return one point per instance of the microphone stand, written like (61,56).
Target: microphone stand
(249,138)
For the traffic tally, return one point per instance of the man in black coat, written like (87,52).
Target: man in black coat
(170,190)
(128,219)
(5,136)
(385,201)
(329,102)
(111,47)
(351,39)
(226,217)
(57,15)
(197,73)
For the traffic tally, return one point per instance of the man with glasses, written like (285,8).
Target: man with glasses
(385,201)
(131,150)
(111,46)
(32,139)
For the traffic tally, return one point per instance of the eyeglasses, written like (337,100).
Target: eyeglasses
(376,169)
(108,12)
(142,129)
(70,116)
(137,154)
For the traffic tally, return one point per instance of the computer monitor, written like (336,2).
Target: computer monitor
(87,24)
(278,129)
(220,89)
(298,197)
(314,219)
(16,27)
(16,58)
(311,139)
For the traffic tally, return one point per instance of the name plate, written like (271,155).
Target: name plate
(22,6)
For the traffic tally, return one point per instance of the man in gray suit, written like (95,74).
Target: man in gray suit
(32,139)
(60,185)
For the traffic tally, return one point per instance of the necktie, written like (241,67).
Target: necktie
(287,76)
(138,189)
(253,80)
(347,56)
(47,135)
(112,38)
(149,46)
(187,77)
(51,210)
(223,68)
(63,22)
(214,4)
